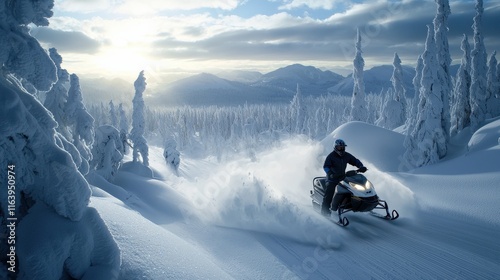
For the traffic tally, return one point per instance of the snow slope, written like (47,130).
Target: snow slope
(246,219)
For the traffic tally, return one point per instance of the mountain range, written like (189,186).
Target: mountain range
(278,86)
(239,87)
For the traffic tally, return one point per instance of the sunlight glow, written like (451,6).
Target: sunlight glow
(121,61)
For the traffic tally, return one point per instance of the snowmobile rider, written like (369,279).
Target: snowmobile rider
(334,166)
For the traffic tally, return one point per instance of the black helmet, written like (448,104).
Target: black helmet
(340,145)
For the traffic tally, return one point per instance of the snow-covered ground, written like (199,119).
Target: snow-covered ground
(246,219)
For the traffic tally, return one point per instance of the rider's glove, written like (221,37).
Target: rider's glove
(362,169)
(335,176)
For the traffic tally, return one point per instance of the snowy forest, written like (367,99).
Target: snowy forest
(59,143)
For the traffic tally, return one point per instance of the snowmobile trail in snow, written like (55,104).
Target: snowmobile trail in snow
(402,249)
(303,260)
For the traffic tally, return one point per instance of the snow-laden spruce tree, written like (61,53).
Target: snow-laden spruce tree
(492,83)
(382,116)
(55,98)
(298,112)
(236,130)
(80,122)
(498,81)
(171,154)
(103,117)
(320,122)
(410,143)
(56,101)
(478,88)
(398,86)
(112,114)
(444,60)
(393,113)
(124,127)
(417,84)
(140,145)
(107,151)
(358,101)
(460,110)
(57,234)
(428,132)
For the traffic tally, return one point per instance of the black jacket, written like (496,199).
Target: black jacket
(336,164)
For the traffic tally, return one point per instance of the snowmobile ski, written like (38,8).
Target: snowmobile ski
(343,222)
(393,216)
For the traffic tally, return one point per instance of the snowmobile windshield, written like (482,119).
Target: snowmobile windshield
(351,173)
(355,178)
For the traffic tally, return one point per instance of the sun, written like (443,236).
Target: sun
(121,61)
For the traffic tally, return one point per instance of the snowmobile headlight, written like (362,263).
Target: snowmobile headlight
(357,186)
(368,185)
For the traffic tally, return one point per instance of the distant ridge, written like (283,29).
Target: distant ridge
(208,89)
(312,81)
(278,86)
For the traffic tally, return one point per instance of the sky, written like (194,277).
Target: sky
(174,39)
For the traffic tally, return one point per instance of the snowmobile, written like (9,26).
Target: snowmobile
(354,193)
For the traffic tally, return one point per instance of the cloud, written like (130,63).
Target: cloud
(149,6)
(386,28)
(302,42)
(82,6)
(144,7)
(66,41)
(313,4)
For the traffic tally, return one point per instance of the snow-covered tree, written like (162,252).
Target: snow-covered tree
(428,132)
(103,116)
(498,81)
(397,80)
(444,60)
(374,103)
(417,84)
(492,103)
(55,99)
(358,101)
(18,48)
(80,122)
(320,122)
(51,196)
(478,88)
(140,145)
(382,118)
(410,143)
(106,151)
(171,154)
(391,113)
(112,114)
(298,112)
(124,127)
(460,110)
